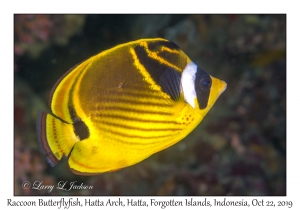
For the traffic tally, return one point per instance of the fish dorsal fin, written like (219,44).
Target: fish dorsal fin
(169,82)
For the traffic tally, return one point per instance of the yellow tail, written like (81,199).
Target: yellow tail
(56,137)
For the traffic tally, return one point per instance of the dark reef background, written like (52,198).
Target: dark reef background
(238,149)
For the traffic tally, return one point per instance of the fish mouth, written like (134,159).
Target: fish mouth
(222,86)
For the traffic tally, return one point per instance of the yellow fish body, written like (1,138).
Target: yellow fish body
(121,106)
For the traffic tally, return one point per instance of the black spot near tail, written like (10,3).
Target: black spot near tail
(81,130)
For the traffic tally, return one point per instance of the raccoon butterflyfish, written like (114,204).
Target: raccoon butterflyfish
(124,104)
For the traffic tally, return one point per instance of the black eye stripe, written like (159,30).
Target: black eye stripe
(205,82)
(202,87)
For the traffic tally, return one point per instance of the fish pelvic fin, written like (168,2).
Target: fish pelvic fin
(55,137)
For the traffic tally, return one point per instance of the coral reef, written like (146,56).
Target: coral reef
(35,33)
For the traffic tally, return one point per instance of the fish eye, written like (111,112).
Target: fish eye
(205,83)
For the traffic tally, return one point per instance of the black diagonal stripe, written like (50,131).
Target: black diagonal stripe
(160,73)
(80,128)
(202,94)
(153,66)
(174,58)
(170,82)
(153,46)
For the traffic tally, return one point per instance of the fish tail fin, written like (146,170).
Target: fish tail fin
(55,137)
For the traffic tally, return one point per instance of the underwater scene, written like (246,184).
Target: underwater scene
(238,149)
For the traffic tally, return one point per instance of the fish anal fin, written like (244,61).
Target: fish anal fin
(83,173)
(95,156)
